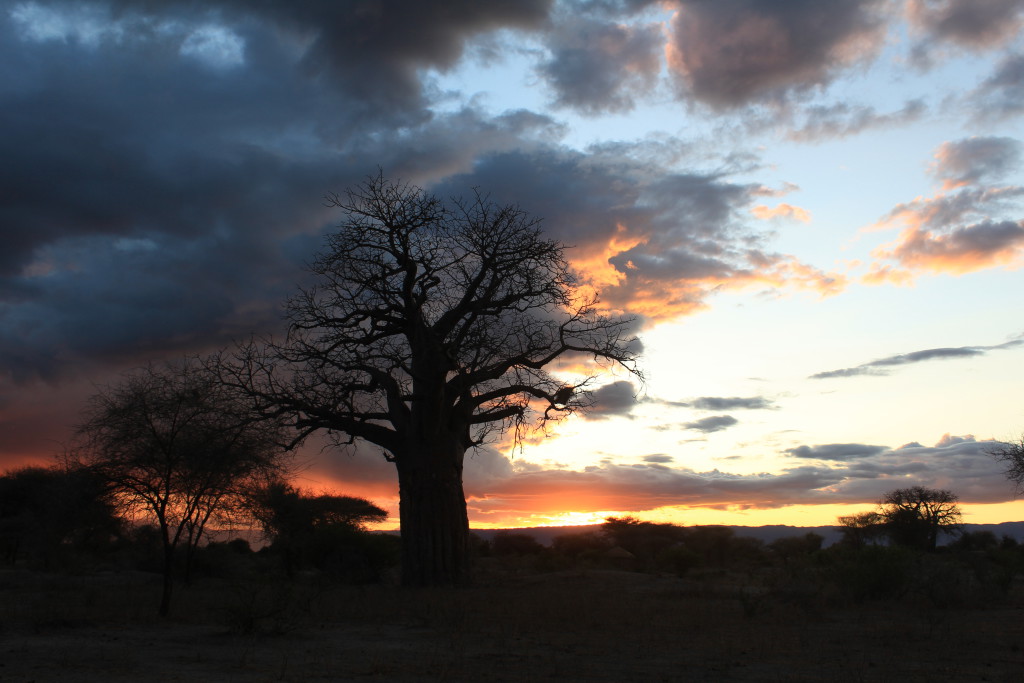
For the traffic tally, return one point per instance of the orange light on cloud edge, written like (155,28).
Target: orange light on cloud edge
(543,510)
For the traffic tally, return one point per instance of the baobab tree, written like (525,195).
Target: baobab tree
(429,330)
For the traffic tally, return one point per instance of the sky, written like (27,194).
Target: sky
(814,210)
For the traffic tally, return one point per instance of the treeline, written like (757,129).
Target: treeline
(877,561)
(70,519)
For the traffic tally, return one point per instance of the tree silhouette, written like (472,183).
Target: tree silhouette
(914,516)
(861,529)
(1011,454)
(429,330)
(291,519)
(176,445)
(45,510)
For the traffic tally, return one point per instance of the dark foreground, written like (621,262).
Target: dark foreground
(593,625)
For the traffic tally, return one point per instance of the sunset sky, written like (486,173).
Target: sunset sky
(815,209)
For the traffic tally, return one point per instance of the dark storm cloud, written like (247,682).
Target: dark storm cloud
(835,451)
(978,24)
(715,423)
(977,159)
(880,366)
(159,199)
(610,7)
(677,235)
(374,51)
(735,52)
(598,67)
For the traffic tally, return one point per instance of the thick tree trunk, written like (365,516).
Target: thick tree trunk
(435,526)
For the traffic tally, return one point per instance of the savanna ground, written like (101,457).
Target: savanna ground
(515,624)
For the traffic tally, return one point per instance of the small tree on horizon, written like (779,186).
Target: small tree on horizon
(175,446)
(290,517)
(915,516)
(428,331)
(861,529)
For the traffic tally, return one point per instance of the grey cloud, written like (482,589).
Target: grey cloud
(978,25)
(691,228)
(844,119)
(835,451)
(609,7)
(733,403)
(878,367)
(976,478)
(970,246)
(948,209)
(715,423)
(617,398)
(736,52)
(1002,94)
(156,205)
(976,159)
(373,51)
(494,484)
(600,67)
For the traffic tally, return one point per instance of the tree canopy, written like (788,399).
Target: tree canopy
(916,515)
(429,328)
(176,446)
(1011,454)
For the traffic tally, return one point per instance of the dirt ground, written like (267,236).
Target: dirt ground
(569,626)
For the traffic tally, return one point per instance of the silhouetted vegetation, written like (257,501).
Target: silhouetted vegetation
(915,516)
(912,517)
(427,331)
(175,446)
(48,516)
(324,532)
(1011,454)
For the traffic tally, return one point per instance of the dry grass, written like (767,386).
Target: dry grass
(567,626)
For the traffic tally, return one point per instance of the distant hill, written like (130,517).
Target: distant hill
(767,534)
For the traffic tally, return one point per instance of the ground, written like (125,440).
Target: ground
(580,625)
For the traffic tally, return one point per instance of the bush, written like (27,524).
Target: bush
(507,543)
(874,572)
(795,547)
(581,545)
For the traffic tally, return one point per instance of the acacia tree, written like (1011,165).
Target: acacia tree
(429,329)
(914,516)
(291,519)
(176,446)
(861,529)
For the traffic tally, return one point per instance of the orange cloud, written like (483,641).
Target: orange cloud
(595,263)
(783,210)
(963,250)
(633,276)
